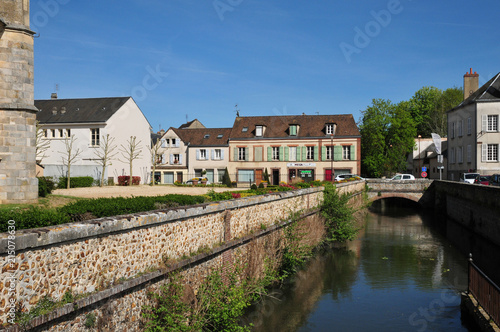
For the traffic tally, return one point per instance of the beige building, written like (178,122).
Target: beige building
(425,156)
(172,166)
(292,148)
(473,129)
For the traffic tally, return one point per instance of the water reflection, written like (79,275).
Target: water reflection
(399,275)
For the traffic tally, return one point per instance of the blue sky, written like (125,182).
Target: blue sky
(199,59)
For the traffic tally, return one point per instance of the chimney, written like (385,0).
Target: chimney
(471,83)
(53,95)
(161,132)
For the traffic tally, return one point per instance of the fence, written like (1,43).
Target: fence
(485,291)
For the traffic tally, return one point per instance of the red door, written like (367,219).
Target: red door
(328,175)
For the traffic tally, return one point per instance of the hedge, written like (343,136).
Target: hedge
(76,182)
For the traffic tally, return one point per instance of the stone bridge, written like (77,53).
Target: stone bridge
(409,189)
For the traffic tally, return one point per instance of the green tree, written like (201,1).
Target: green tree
(422,106)
(226,179)
(449,99)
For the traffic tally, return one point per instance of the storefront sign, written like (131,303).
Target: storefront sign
(301,165)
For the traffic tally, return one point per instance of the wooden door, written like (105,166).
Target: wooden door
(258,176)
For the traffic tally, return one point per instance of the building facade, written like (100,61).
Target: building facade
(473,131)
(293,148)
(18,182)
(88,122)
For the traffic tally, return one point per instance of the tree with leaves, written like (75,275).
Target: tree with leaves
(387,136)
(70,155)
(105,153)
(130,152)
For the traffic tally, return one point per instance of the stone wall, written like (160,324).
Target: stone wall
(105,256)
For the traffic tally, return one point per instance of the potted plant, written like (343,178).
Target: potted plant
(195,181)
(264,183)
(234,184)
(204,181)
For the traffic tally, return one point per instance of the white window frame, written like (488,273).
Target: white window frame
(217,154)
(242,154)
(329,153)
(330,129)
(492,152)
(346,152)
(95,137)
(259,130)
(275,153)
(492,123)
(310,153)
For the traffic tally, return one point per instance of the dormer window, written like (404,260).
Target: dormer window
(293,130)
(244,130)
(330,128)
(207,136)
(258,131)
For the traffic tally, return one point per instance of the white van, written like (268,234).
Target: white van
(468,177)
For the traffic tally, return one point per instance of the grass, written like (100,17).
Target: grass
(51,201)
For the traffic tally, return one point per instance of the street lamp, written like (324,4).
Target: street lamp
(331,157)
(419,159)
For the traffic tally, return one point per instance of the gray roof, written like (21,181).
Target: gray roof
(487,93)
(78,110)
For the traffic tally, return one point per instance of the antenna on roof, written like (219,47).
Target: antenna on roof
(186,118)
(317,113)
(237,110)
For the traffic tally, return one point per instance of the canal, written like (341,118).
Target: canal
(401,274)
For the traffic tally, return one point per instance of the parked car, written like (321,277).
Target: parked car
(341,177)
(482,179)
(403,177)
(495,180)
(190,181)
(468,177)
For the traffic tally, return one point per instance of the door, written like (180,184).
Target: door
(168,177)
(276,177)
(258,176)
(210,175)
(179,177)
(328,175)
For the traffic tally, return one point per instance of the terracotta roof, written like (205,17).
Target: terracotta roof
(490,91)
(204,136)
(78,110)
(310,126)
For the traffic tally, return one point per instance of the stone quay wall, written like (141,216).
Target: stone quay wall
(100,256)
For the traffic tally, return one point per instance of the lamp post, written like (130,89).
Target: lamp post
(331,157)
(419,159)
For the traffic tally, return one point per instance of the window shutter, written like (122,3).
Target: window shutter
(269,153)
(282,151)
(287,153)
(197,154)
(212,154)
(235,157)
(180,159)
(353,152)
(221,154)
(484,150)
(171,159)
(247,154)
(337,152)
(323,152)
(485,122)
(177,143)
(304,153)
(316,153)
(163,158)
(163,143)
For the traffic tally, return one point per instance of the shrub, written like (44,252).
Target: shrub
(32,218)
(76,182)
(219,196)
(303,185)
(45,186)
(226,179)
(339,219)
(261,185)
(125,179)
(236,195)
(253,187)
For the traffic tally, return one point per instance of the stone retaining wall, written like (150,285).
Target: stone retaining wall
(95,255)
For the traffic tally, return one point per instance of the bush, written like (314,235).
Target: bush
(226,179)
(303,185)
(253,187)
(124,180)
(45,186)
(76,182)
(32,218)
(339,219)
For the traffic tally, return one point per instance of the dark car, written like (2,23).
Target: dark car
(482,179)
(495,180)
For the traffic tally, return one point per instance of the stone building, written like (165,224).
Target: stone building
(18,182)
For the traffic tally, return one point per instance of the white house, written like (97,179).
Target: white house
(473,129)
(89,121)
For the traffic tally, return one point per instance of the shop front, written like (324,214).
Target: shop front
(301,171)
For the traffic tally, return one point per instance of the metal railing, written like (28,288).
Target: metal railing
(485,291)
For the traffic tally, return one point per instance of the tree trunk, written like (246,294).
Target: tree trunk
(130,181)
(69,176)
(102,175)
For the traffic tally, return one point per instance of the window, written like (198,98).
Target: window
(45,133)
(220,136)
(330,129)
(460,125)
(492,152)
(201,154)
(460,156)
(292,154)
(61,133)
(452,133)
(68,132)
(94,139)
(452,155)
(469,153)
(174,142)
(329,153)
(492,123)
(244,130)
(177,158)
(310,152)
(469,126)
(293,130)
(217,154)
(206,136)
(258,131)
(242,154)
(246,175)
(276,153)
(53,132)
(220,174)
(346,152)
